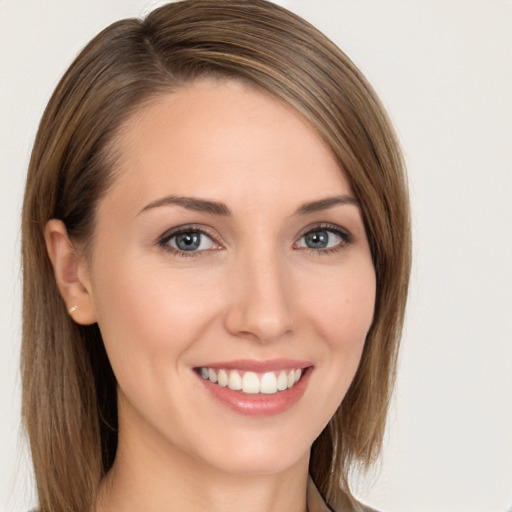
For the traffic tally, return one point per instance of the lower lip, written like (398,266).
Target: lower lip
(259,404)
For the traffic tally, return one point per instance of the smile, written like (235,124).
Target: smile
(249,382)
(256,388)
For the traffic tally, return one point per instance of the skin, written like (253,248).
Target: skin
(256,292)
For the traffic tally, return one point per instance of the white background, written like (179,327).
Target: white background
(444,71)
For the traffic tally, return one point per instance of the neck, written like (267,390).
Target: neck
(144,478)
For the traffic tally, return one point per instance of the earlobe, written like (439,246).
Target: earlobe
(70,273)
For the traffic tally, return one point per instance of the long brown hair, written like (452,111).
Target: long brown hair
(69,390)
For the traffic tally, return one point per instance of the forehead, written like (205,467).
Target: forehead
(224,140)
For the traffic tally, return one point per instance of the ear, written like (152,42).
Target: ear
(71,273)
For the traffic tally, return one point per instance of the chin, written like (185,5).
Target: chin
(257,453)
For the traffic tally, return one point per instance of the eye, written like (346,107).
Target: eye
(323,238)
(189,240)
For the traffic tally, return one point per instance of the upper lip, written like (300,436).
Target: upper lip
(259,366)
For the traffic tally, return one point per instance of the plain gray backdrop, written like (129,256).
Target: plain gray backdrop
(443,68)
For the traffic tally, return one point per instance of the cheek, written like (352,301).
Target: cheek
(343,308)
(342,316)
(148,315)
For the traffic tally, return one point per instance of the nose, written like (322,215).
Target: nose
(260,298)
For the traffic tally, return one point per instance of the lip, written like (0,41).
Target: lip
(257,366)
(259,405)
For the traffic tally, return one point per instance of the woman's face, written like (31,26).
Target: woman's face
(229,252)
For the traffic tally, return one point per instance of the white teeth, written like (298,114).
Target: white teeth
(212,375)
(223,378)
(235,381)
(250,383)
(267,383)
(291,378)
(282,381)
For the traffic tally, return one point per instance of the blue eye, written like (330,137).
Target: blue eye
(189,241)
(318,239)
(323,239)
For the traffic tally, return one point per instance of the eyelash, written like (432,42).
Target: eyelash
(163,241)
(346,238)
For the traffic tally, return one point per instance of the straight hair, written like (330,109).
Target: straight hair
(69,390)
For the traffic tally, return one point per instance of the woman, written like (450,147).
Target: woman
(216,256)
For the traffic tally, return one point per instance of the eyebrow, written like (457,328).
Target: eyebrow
(190,203)
(324,204)
(217,208)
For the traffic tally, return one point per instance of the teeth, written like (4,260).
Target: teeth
(282,381)
(223,378)
(291,378)
(267,383)
(250,383)
(212,375)
(235,381)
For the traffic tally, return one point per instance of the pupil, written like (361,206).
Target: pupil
(317,239)
(188,241)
